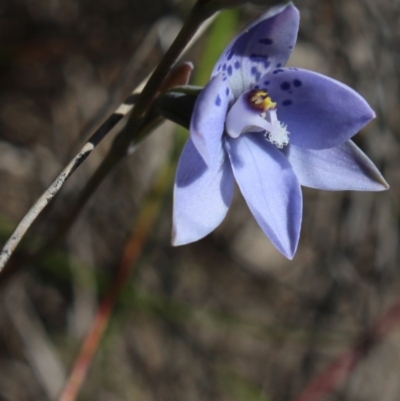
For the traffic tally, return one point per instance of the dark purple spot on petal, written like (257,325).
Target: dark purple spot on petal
(230,54)
(260,58)
(230,70)
(290,47)
(285,86)
(224,67)
(256,73)
(266,41)
(237,65)
(278,71)
(279,65)
(287,102)
(256,87)
(218,101)
(297,83)
(266,82)
(227,91)
(219,67)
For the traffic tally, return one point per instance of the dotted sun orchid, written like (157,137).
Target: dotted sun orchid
(271,129)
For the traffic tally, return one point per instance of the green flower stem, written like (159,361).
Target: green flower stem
(196,17)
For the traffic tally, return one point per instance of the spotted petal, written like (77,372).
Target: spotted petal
(201,196)
(319,111)
(344,167)
(208,120)
(269,187)
(266,43)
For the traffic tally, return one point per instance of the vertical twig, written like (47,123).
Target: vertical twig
(130,255)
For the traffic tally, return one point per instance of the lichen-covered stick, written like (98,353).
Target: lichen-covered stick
(84,152)
(56,185)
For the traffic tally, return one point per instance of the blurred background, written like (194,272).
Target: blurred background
(227,318)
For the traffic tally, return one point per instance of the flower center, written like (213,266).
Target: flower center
(275,131)
(261,100)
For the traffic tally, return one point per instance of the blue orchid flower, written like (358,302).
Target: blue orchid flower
(271,129)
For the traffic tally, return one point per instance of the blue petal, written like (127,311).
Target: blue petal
(201,196)
(208,119)
(265,44)
(320,112)
(270,188)
(344,167)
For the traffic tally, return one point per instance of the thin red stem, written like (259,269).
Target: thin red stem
(340,369)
